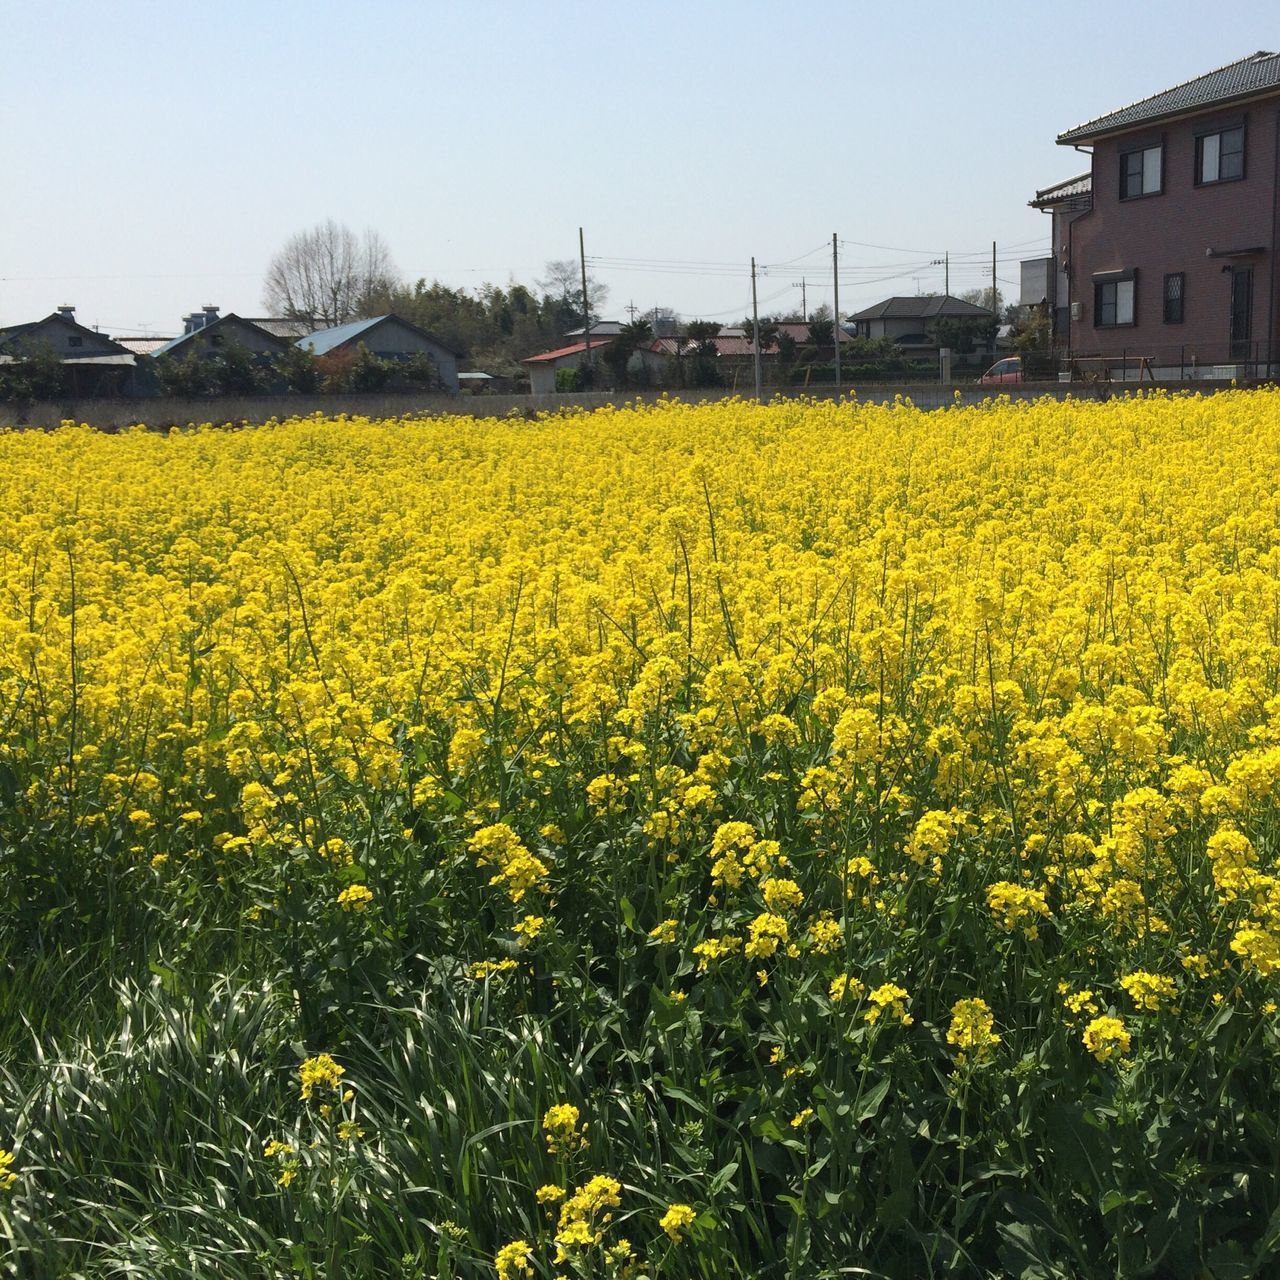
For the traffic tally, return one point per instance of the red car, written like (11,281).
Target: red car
(1009,370)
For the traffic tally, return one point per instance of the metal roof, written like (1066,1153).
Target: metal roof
(1244,78)
(922,309)
(325,340)
(599,329)
(123,359)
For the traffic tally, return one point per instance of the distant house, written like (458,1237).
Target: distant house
(909,322)
(389,338)
(93,364)
(603,329)
(650,358)
(1044,280)
(1168,255)
(542,368)
(205,333)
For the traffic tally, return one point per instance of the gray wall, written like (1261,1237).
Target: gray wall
(58,336)
(162,413)
(394,341)
(231,332)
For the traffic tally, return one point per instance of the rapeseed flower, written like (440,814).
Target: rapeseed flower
(560,1125)
(320,1072)
(1106,1038)
(972,1030)
(891,1000)
(677,1219)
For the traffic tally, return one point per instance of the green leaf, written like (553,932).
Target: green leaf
(722,1179)
(869,1103)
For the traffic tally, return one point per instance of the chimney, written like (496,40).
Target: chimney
(67,312)
(199,319)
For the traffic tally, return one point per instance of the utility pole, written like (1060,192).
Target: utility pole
(631,312)
(945,263)
(755,324)
(994,295)
(804,305)
(835,318)
(586,305)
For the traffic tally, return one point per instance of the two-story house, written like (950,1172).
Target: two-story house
(1167,247)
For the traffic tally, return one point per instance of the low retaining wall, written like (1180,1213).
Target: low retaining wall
(161,414)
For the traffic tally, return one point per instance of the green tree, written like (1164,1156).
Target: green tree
(234,370)
(369,372)
(37,374)
(699,368)
(618,352)
(298,368)
(184,377)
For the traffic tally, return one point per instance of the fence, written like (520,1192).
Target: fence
(162,414)
(1238,361)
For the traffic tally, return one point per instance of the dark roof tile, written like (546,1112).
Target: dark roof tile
(1257,73)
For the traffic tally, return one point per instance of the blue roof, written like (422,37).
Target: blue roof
(173,342)
(324,340)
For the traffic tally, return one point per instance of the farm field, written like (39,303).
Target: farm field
(692,841)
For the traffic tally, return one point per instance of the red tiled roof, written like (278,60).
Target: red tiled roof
(574,350)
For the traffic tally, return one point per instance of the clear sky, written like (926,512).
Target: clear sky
(155,155)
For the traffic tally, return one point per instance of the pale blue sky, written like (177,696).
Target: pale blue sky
(154,155)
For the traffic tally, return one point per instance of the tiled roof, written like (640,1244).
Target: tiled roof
(142,346)
(1244,78)
(921,309)
(284,327)
(1062,192)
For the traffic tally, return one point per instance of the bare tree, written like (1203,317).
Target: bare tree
(328,274)
(563,284)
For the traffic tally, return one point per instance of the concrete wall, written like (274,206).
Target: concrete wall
(160,414)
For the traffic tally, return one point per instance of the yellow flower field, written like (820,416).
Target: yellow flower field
(705,840)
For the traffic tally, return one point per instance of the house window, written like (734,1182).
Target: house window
(1220,156)
(217,339)
(75,341)
(1174,285)
(1141,173)
(1113,302)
